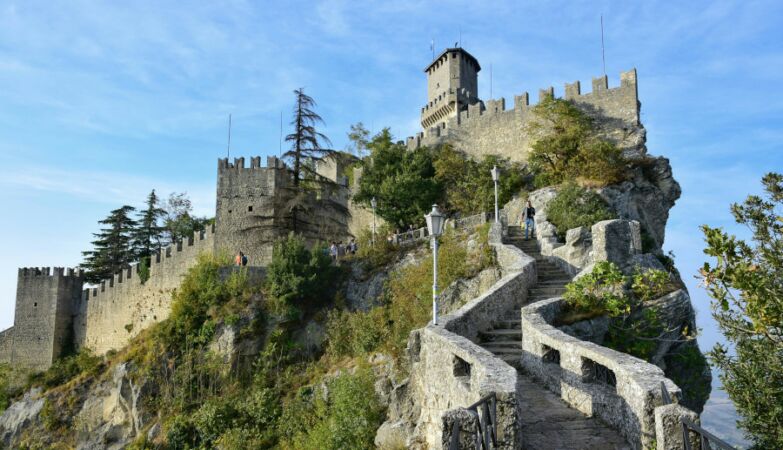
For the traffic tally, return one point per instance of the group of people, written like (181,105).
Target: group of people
(337,250)
(240,259)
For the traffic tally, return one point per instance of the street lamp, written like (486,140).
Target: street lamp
(373,203)
(495,177)
(435,222)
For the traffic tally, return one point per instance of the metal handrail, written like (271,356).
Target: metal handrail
(485,411)
(707,440)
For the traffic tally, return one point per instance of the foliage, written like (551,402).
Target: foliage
(746,285)
(67,368)
(112,248)
(377,254)
(298,277)
(467,184)
(344,416)
(178,219)
(5,382)
(635,328)
(143,270)
(358,137)
(148,235)
(574,207)
(401,181)
(567,146)
(307,144)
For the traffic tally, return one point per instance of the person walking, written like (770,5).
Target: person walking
(333,252)
(528,216)
(238,259)
(244,259)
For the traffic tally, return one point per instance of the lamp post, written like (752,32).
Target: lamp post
(435,222)
(495,177)
(373,203)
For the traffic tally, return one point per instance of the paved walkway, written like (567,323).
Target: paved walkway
(548,422)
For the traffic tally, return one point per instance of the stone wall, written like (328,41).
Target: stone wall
(121,307)
(490,129)
(464,371)
(46,300)
(622,390)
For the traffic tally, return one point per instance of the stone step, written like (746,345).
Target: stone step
(548,290)
(510,322)
(501,334)
(553,282)
(503,350)
(512,360)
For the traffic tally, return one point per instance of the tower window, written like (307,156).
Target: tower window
(250,208)
(35,304)
(229,211)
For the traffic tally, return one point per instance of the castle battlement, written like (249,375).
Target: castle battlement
(25,272)
(487,127)
(272,162)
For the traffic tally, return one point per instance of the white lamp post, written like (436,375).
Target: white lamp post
(435,222)
(373,203)
(495,177)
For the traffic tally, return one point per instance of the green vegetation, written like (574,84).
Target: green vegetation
(402,181)
(67,368)
(113,247)
(408,302)
(297,277)
(635,327)
(746,284)
(567,146)
(574,206)
(467,185)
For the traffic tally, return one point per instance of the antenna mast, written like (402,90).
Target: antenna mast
(490,81)
(280,142)
(603,56)
(228,147)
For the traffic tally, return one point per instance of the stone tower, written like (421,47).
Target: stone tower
(46,301)
(452,85)
(247,213)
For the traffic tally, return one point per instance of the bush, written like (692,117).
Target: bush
(599,292)
(651,284)
(566,145)
(68,368)
(346,415)
(574,207)
(298,277)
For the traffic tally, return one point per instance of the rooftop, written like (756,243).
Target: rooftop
(455,49)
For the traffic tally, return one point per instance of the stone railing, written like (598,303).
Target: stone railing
(453,372)
(623,391)
(419,234)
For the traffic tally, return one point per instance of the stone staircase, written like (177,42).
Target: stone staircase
(548,423)
(505,340)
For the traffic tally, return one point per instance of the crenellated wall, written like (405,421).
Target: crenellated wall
(119,308)
(489,128)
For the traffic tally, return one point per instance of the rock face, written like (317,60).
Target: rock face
(112,415)
(19,416)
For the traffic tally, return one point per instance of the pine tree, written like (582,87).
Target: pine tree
(148,235)
(307,150)
(113,249)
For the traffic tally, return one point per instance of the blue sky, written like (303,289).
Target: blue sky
(102,101)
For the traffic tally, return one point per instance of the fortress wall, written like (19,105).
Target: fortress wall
(490,128)
(121,307)
(6,343)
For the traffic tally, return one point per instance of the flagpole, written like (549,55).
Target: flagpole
(603,57)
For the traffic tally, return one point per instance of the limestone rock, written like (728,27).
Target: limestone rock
(593,330)
(616,241)
(112,415)
(577,251)
(461,291)
(20,415)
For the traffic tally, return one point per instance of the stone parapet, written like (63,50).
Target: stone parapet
(622,390)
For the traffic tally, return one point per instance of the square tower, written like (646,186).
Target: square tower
(452,85)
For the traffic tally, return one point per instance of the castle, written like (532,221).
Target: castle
(54,312)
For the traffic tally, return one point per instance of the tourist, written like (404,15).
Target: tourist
(238,259)
(333,252)
(528,216)
(352,247)
(244,259)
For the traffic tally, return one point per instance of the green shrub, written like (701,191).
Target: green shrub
(347,418)
(356,333)
(298,277)
(181,434)
(567,146)
(574,207)
(68,368)
(651,284)
(213,418)
(599,292)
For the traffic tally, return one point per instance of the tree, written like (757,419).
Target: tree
(178,221)
(746,284)
(358,136)
(113,249)
(307,144)
(403,182)
(149,234)
(566,145)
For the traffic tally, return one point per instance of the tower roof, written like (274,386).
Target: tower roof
(455,49)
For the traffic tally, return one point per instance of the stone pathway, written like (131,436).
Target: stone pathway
(548,423)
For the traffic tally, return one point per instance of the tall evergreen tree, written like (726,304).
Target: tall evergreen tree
(113,247)
(148,235)
(307,150)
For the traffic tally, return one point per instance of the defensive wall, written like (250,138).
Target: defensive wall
(116,310)
(489,128)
